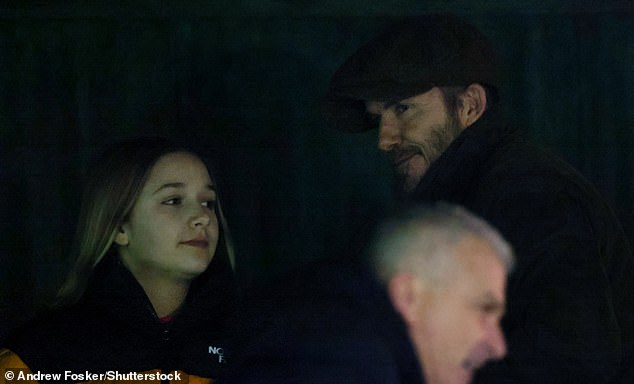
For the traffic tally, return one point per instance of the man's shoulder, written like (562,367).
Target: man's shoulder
(520,167)
(324,321)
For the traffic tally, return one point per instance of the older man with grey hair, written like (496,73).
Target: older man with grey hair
(426,311)
(445,273)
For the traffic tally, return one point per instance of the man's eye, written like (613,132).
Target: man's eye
(400,108)
(173,201)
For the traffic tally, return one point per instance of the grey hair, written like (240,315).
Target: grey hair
(433,230)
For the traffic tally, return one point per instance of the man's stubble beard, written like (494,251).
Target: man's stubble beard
(440,138)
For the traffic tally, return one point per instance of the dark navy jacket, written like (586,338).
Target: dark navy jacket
(114,328)
(326,323)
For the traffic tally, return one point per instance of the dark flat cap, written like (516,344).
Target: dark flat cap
(408,59)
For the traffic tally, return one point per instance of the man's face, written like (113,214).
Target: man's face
(456,326)
(414,132)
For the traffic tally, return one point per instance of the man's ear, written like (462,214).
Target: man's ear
(404,290)
(121,238)
(473,103)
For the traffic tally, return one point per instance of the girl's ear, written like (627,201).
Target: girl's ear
(121,238)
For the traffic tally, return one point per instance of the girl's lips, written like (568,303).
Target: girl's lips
(197,243)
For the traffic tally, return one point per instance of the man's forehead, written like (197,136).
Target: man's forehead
(425,98)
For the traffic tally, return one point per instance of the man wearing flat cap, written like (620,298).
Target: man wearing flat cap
(429,85)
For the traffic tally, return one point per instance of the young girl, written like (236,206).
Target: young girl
(151,295)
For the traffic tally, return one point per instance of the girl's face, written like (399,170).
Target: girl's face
(172,231)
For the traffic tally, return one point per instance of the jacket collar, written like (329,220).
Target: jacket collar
(392,329)
(114,292)
(460,164)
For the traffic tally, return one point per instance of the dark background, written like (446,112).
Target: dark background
(244,78)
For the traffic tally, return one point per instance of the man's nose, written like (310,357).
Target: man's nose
(497,343)
(389,133)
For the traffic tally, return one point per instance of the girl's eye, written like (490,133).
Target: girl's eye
(173,201)
(209,204)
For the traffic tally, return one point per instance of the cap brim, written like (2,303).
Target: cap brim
(345,114)
(345,110)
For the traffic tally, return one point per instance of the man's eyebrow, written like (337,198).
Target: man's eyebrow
(489,299)
(489,295)
(385,104)
(210,187)
(391,103)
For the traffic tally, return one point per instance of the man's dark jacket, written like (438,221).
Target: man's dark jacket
(327,323)
(570,313)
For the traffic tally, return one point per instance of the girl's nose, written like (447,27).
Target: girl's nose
(200,219)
